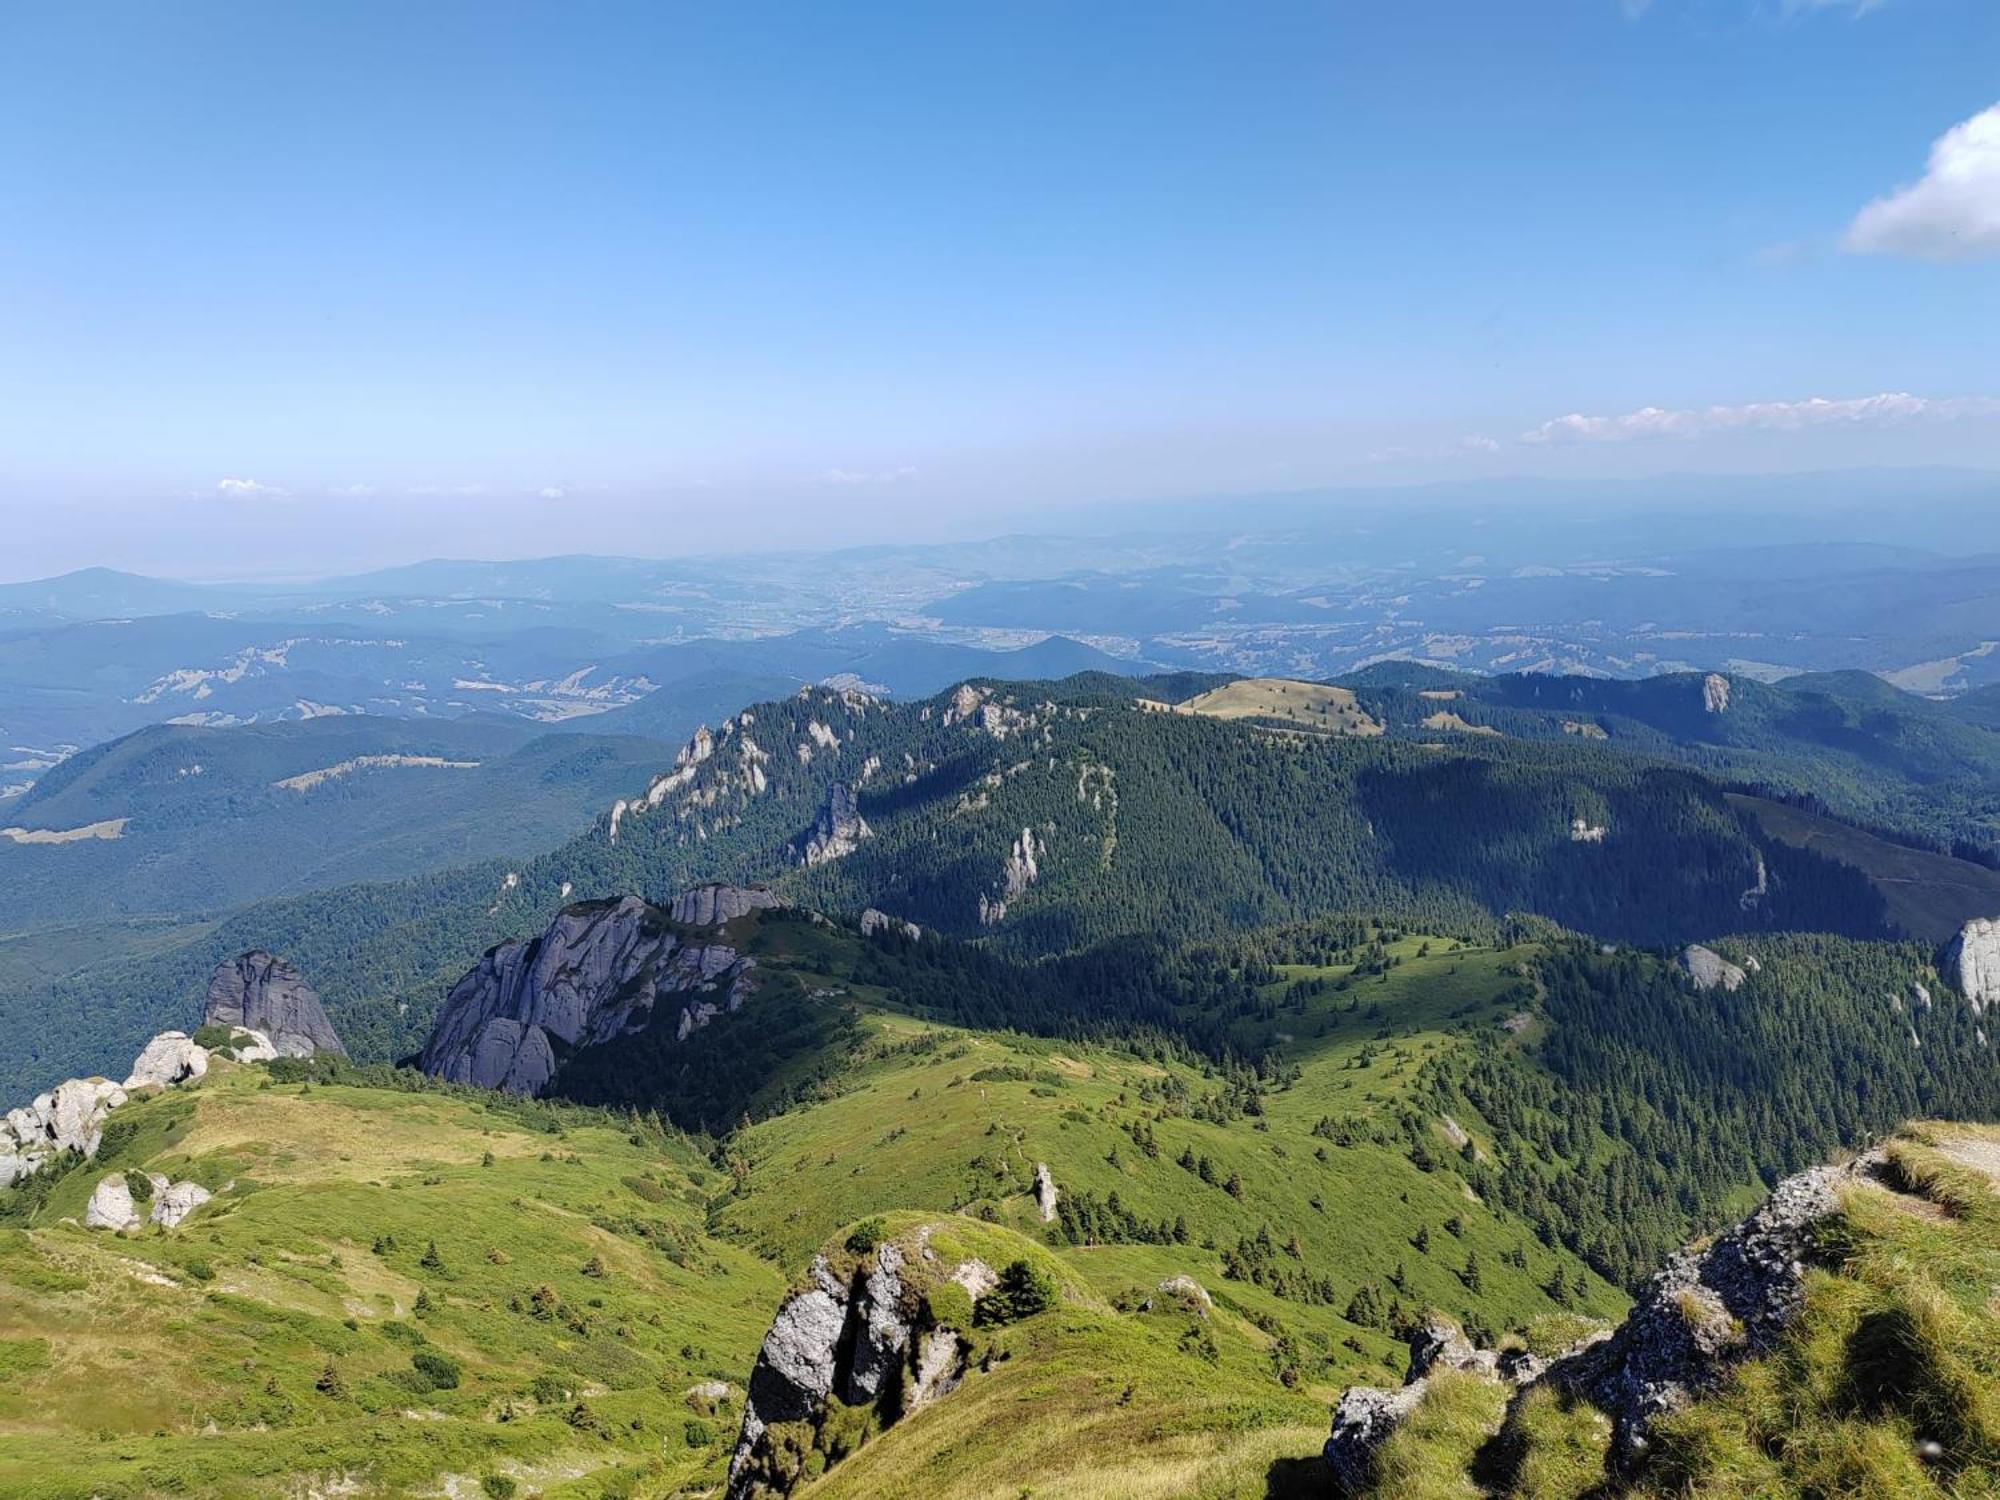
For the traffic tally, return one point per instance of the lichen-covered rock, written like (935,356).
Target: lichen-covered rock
(1710,1308)
(72,1113)
(1707,969)
(264,993)
(1363,1418)
(1971,962)
(170,1058)
(602,970)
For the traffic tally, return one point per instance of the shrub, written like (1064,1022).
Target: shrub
(697,1433)
(866,1235)
(140,1186)
(440,1372)
(498,1487)
(212,1036)
(548,1389)
(1024,1290)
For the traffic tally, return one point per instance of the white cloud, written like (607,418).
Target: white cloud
(552,492)
(1953,212)
(852,476)
(1889,408)
(246,489)
(1478,442)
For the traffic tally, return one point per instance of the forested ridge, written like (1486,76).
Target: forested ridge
(1141,823)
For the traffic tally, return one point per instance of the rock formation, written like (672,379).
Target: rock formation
(113,1207)
(857,1341)
(839,829)
(604,969)
(266,994)
(1707,969)
(171,1057)
(1715,692)
(70,1117)
(714,904)
(873,921)
(1045,1192)
(1706,1311)
(1971,962)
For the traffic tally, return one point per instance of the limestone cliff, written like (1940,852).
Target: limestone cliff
(603,969)
(266,994)
(1972,962)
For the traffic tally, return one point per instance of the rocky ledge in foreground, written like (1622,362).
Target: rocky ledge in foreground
(602,970)
(1705,1312)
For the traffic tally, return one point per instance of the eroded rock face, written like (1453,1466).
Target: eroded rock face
(603,969)
(1706,1310)
(852,1342)
(1701,1315)
(264,993)
(1972,962)
(1707,969)
(840,827)
(712,905)
(171,1057)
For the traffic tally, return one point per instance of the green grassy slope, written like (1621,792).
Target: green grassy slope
(275,1338)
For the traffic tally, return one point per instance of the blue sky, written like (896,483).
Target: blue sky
(361,282)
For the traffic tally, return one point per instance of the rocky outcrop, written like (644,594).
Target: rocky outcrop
(1707,969)
(171,1057)
(603,970)
(839,829)
(1710,1308)
(69,1117)
(1019,871)
(175,1201)
(856,1340)
(873,921)
(1971,962)
(1705,1312)
(714,904)
(1715,692)
(1045,1192)
(112,1205)
(266,994)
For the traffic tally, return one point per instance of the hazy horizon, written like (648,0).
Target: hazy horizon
(295,289)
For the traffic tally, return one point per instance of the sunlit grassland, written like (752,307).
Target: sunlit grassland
(198,1362)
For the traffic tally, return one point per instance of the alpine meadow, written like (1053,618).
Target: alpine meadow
(1134,752)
